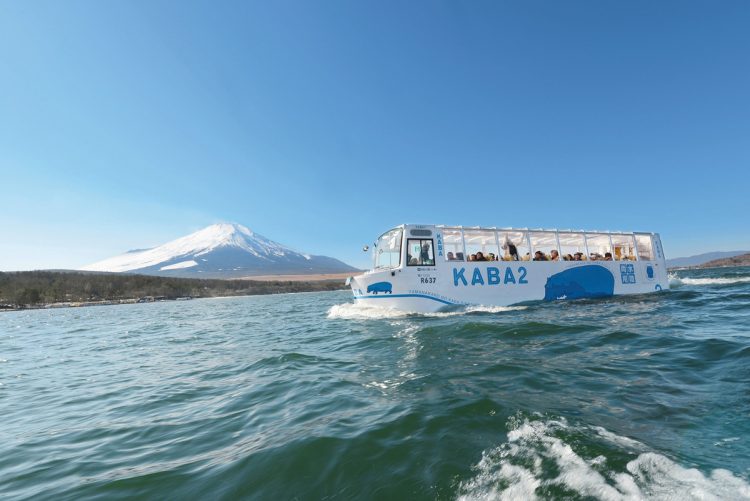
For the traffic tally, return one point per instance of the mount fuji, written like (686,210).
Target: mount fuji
(220,251)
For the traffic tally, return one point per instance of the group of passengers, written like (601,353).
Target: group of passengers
(479,256)
(538,256)
(598,257)
(578,256)
(541,256)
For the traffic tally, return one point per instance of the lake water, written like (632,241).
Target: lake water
(308,396)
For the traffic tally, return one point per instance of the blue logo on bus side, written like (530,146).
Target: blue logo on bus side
(580,282)
(384,287)
(493,276)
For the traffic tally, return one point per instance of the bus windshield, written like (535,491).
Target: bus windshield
(388,249)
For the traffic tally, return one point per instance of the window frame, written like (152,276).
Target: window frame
(543,234)
(399,253)
(652,253)
(421,241)
(521,244)
(445,245)
(567,239)
(483,232)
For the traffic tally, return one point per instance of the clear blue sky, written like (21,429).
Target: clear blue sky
(322,124)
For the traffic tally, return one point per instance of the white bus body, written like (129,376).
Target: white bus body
(427,268)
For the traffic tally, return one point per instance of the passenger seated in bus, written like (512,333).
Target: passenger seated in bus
(473,257)
(539,256)
(491,257)
(553,255)
(595,257)
(451,257)
(512,251)
(527,257)
(413,261)
(607,256)
(480,256)
(568,257)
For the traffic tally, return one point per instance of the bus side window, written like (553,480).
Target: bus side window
(513,245)
(599,246)
(542,245)
(572,246)
(481,245)
(623,247)
(645,249)
(453,245)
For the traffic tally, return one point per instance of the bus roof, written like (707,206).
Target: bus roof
(501,228)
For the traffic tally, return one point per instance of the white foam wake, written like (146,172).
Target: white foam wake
(514,470)
(489,309)
(675,280)
(359,311)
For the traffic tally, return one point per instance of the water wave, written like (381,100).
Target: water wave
(360,311)
(675,280)
(545,458)
(491,309)
(261,398)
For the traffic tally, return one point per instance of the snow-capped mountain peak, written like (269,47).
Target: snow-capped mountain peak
(217,249)
(227,235)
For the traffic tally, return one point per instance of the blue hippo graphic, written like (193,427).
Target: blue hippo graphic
(380,287)
(580,282)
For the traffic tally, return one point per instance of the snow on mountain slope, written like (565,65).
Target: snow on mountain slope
(220,250)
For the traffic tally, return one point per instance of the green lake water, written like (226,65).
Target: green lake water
(308,396)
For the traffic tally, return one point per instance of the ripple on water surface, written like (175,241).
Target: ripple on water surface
(312,396)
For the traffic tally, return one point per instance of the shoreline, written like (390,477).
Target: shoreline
(702,267)
(115,302)
(318,277)
(48,289)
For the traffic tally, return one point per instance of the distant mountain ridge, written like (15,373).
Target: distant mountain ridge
(220,251)
(700,259)
(741,260)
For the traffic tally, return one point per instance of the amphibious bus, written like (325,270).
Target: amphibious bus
(427,268)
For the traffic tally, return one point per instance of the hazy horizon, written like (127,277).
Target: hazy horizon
(363,266)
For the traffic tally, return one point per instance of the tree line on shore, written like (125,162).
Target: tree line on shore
(30,288)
